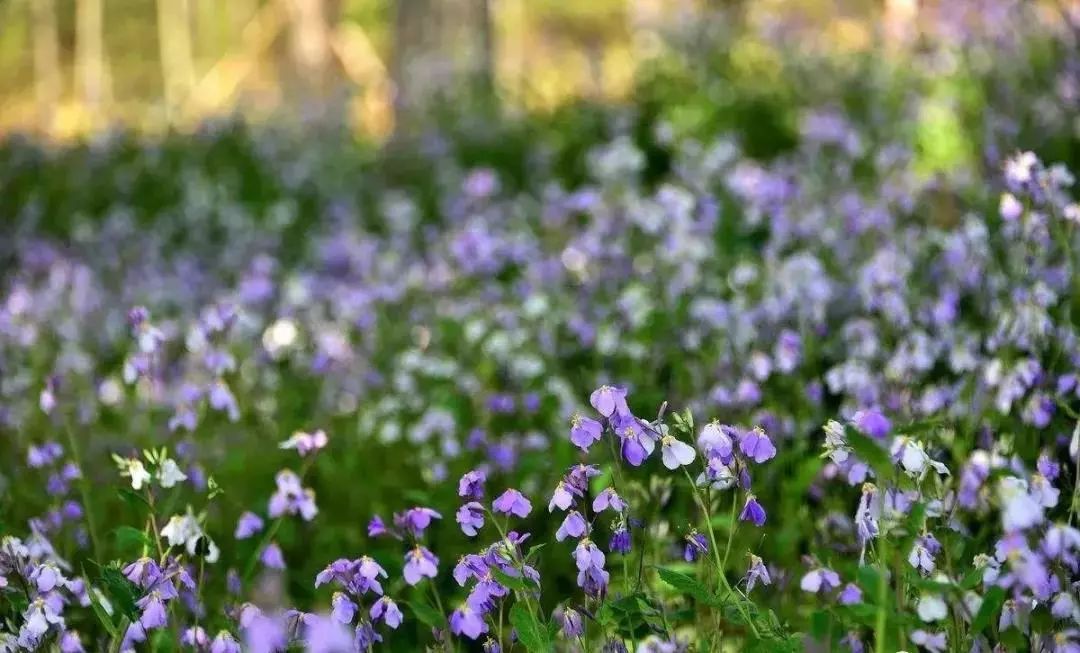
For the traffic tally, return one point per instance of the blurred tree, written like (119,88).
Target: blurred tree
(48,82)
(177,61)
(442,50)
(90,60)
(313,83)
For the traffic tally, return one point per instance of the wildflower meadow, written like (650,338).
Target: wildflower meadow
(744,363)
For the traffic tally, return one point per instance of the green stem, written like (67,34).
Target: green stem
(518,564)
(84,492)
(716,556)
(882,600)
(731,530)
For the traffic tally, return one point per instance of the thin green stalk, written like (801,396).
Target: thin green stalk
(84,492)
(518,563)
(272,531)
(716,555)
(731,530)
(882,599)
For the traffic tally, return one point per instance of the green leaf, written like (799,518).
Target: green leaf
(120,591)
(516,583)
(533,635)
(871,453)
(133,498)
(100,612)
(821,627)
(534,550)
(991,604)
(922,426)
(972,580)
(861,613)
(689,585)
(129,538)
(869,579)
(630,613)
(427,614)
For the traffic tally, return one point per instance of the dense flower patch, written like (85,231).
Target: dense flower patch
(824,401)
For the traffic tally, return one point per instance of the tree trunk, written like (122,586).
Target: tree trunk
(177,61)
(441,47)
(313,86)
(90,59)
(47,79)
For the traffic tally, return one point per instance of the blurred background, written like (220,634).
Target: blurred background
(70,67)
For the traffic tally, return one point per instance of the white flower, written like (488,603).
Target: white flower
(133,469)
(213,552)
(836,446)
(305,443)
(279,337)
(931,607)
(1019,510)
(675,452)
(1074,443)
(914,459)
(181,529)
(169,474)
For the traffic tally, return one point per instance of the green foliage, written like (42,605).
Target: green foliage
(534,635)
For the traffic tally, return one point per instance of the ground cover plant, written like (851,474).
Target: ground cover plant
(639,389)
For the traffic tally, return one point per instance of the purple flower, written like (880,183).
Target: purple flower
(248,525)
(343,609)
(471,485)
(419,563)
(271,557)
(291,498)
(471,518)
(585,431)
(376,527)
(135,633)
(46,577)
(822,580)
(365,637)
(757,446)
(636,443)
(850,595)
(694,546)
(70,643)
(563,497)
(620,539)
(921,558)
(325,635)
(573,525)
(194,637)
(386,610)
(416,520)
(717,441)
(592,578)
(570,622)
(872,423)
(752,511)
(608,498)
(935,642)
(224,643)
(512,502)
(757,572)
(608,401)
(468,622)
(153,611)
(144,572)
(852,642)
